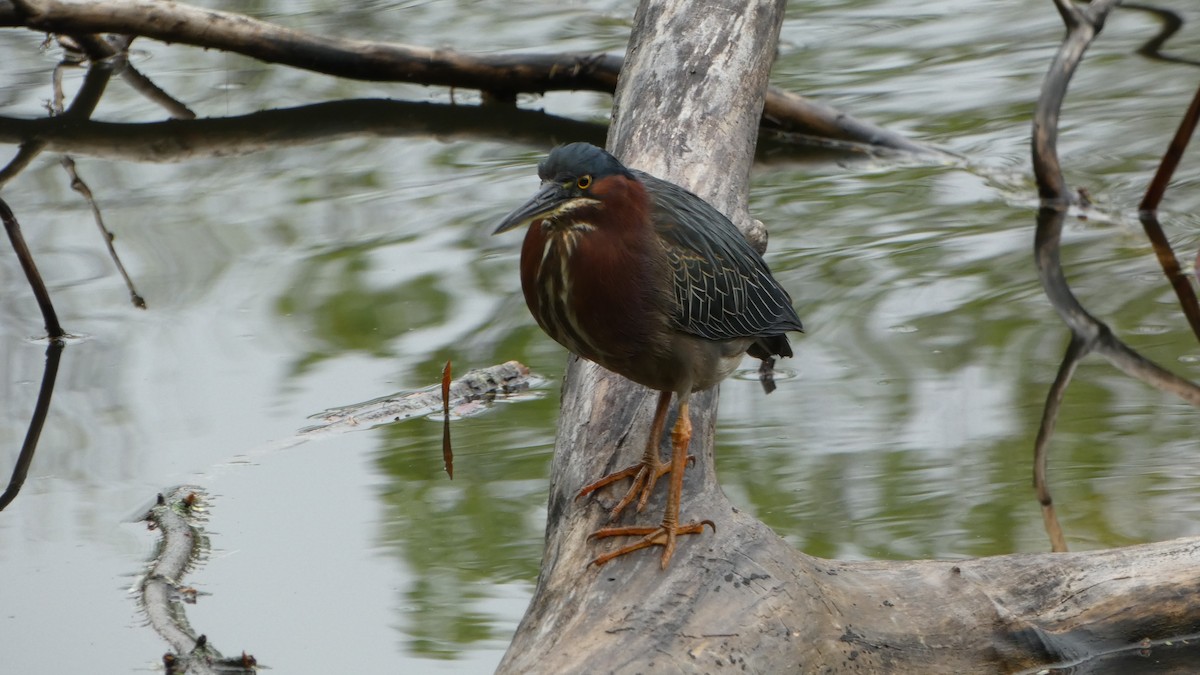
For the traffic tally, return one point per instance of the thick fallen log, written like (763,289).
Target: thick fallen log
(499,76)
(741,597)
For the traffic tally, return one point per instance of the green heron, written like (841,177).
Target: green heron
(653,283)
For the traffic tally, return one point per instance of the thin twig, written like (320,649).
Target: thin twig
(1170,160)
(1083,24)
(26,153)
(40,410)
(58,103)
(13,228)
(115,52)
(1180,281)
(93,47)
(1055,201)
(82,188)
(447,449)
(1130,362)
(146,87)
(1172,22)
(1149,207)
(88,96)
(1076,350)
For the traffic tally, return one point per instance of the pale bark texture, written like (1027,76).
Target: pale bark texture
(741,599)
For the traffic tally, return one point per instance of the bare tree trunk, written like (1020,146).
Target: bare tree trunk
(686,108)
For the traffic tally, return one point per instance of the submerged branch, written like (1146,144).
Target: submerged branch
(179,516)
(1089,334)
(462,396)
(1085,22)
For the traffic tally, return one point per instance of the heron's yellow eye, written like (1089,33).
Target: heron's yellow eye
(584,182)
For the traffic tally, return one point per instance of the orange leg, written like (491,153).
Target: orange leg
(646,472)
(664,535)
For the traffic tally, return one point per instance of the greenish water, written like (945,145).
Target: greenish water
(284,279)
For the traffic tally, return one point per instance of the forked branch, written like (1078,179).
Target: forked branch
(1088,333)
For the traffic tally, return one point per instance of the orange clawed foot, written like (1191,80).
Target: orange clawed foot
(645,474)
(663,535)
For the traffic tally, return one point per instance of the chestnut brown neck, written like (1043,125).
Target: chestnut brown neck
(588,277)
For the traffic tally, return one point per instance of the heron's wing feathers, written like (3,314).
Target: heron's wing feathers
(723,289)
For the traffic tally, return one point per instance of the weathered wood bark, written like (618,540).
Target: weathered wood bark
(742,598)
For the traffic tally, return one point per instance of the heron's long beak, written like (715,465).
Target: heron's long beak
(547,200)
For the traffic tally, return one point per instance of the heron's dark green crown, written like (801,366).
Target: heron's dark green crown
(567,162)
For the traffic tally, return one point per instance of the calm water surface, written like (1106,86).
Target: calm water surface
(286,279)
